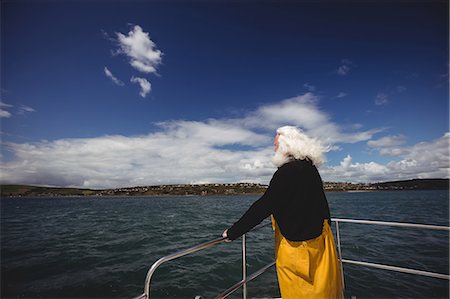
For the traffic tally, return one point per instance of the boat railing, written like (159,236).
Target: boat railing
(337,221)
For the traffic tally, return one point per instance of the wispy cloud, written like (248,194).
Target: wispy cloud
(144,84)
(140,49)
(112,77)
(343,70)
(309,87)
(3,112)
(400,88)
(387,141)
(23,109)
(4,105)
(345,67)
(381,99)
(341,95)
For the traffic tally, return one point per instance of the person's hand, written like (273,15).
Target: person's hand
(225,235)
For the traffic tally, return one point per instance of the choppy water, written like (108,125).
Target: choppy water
(103,247)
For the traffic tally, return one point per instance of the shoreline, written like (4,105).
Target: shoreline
(190,195)
(225,189)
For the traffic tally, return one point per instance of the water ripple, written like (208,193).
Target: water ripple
(91,247)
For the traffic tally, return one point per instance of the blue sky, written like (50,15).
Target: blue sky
(110,93)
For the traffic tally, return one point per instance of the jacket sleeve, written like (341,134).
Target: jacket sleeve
(259,210)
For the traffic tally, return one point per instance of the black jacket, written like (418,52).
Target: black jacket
(296,199)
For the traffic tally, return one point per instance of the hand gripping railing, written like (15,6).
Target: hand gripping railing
(245,278)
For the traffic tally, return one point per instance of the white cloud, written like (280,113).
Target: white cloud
(143,56)
(112,77)
(144,84)
(347,170)
(4,105)
(341,95)
(381,99)
(140,49)
(387,141)
(392,151)
(213,150)
(304,112)
(4,113)
(23,109)
(214,132)
(422,160)
(431,159)
(180,152)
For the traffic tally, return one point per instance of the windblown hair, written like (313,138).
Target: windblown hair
(293,144)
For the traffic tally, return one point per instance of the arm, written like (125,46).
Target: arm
(258,211)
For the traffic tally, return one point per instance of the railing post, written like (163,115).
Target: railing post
(340,254)
(244,267)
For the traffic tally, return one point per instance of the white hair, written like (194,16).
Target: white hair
(293,144)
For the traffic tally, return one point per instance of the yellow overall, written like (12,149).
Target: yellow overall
(308,269)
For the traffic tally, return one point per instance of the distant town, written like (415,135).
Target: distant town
(213,189)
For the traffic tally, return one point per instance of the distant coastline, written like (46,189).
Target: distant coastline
(213,189)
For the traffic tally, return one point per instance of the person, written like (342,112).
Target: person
(306,259)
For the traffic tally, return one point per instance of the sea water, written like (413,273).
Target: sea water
(103,247)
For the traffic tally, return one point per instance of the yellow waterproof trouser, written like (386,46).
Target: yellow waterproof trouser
(308,269)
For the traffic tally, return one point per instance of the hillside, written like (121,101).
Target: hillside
(181,189)
(212,189)
(422,184)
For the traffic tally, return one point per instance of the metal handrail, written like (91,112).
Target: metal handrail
(235,287)
(389,223)
(146,294)
(245,278)
(172,256)
(382,266)
(398,269)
